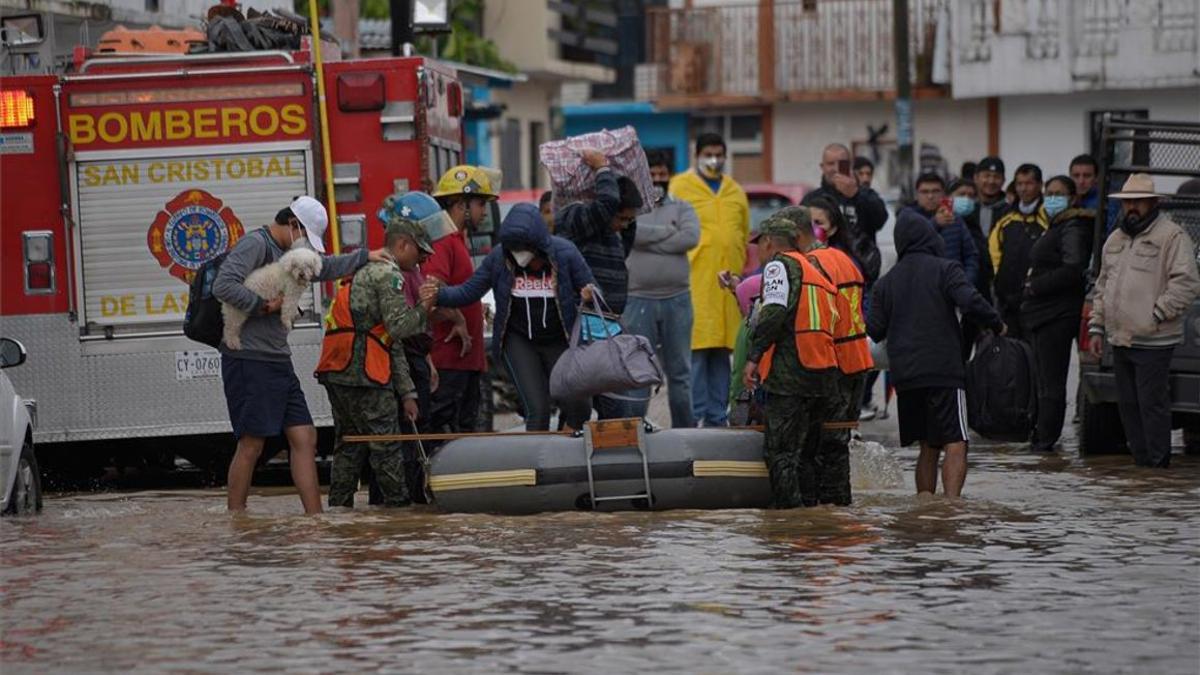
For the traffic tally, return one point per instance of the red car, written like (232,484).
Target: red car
(765,199)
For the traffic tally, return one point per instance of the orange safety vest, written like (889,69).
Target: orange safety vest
(850,329)
(815,317)
(337,347)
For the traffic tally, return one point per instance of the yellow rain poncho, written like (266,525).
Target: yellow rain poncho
(724,234)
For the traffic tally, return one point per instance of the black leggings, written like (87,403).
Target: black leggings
(1052,347)
(529,364)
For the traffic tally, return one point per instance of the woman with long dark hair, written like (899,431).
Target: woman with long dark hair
(1053,302)
(831,227)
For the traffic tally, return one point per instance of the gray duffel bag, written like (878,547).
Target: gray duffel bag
(613,363)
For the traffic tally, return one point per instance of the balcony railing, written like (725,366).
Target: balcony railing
(1098,25)
(805,50)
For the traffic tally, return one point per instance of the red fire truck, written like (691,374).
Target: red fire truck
(118,180)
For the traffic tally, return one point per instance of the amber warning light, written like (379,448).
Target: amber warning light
(16,109)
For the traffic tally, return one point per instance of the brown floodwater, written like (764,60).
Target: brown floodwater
(1051,564)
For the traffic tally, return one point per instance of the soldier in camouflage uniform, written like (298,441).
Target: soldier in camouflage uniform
(854,361)
(362,386)
(801,388)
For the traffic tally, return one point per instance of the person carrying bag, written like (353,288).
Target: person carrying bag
(603,358)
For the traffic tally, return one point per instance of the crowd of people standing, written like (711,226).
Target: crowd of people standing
(408,328)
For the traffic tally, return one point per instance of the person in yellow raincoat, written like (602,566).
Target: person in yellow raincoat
(724,216)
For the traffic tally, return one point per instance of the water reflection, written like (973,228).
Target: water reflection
(1051,564)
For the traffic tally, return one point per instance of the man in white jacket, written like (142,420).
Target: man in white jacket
(1148,281)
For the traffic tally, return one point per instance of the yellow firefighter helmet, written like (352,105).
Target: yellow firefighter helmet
(465,179)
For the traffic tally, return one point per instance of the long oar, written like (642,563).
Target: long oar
(426,469)
(391,438)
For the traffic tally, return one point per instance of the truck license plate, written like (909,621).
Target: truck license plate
(197,364)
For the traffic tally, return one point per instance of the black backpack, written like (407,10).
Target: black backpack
(1002,393)
(202,321)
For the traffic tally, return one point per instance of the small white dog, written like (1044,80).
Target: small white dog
(289,277)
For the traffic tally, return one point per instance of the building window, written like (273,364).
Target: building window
(537,136)
(151,5)
(745,128)
(510,149)
(742,132)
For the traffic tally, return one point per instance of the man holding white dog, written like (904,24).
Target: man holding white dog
(363,366)
(261,389)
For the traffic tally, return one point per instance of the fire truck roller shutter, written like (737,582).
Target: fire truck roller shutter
(147,223)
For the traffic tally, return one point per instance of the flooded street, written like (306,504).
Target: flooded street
(1053,564)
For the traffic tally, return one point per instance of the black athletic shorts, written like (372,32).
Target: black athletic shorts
(935,415)
(264,397)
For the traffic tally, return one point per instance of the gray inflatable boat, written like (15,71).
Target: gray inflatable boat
(616,465)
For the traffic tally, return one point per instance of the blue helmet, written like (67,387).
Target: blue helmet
(411,205)
(420,207)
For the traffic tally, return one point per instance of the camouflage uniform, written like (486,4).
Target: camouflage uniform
(833,482)
(361,406)
(799,400)
(834,477)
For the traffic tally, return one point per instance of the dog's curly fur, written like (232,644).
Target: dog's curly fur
(289,277)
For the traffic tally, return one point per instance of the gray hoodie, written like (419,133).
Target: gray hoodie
(658,264)
(264,337)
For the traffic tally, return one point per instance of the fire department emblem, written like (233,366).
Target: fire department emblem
(195,227)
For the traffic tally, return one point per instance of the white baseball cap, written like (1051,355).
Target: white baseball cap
(313,216)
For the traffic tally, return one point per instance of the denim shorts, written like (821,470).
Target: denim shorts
(264,397)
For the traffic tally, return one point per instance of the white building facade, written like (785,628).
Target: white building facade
(1024,79)
(1057,66)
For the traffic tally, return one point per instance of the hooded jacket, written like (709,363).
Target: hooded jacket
(865,214)
(912,307)
(1058,270)
(1146,285)
(523,227)
(958,244)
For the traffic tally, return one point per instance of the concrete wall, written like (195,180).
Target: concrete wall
(518,27)
(1050,130)
(655,130)
(1052,46)
(526,102)
(958,128)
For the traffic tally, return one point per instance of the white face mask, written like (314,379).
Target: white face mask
(523,258)
(299,242)
(712,166)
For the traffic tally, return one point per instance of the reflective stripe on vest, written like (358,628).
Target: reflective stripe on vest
(815,318)
(850,329)
(337,347)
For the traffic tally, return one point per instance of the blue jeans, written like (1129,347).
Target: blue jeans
(667,323)
(710,386)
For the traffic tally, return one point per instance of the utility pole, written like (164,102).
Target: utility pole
(402,30)
(904,111)
(345,25)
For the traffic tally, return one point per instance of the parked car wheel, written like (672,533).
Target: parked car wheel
(1191,439)
(1100,431)
(26,495)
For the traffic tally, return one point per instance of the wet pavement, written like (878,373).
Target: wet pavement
(1051,564)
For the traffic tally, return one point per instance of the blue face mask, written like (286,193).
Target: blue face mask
(1055,204)
(963,206)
